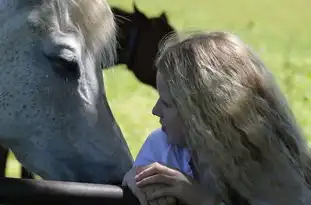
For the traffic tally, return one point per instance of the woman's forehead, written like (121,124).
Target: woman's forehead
(161,84)
(162,87)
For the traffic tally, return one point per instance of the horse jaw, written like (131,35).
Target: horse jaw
(58,127)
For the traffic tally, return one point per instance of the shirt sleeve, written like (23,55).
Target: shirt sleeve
(157,149)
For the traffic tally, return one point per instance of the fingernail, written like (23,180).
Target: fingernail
(137,177)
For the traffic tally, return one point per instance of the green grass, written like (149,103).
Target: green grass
(278,30)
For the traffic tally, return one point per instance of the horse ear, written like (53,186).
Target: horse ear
(136,10)
(138,14)
(163,17)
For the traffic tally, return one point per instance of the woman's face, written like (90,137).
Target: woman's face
(167,112)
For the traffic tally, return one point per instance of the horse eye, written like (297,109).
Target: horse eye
(64,66)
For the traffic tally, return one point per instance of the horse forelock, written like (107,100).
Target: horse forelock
(91,21)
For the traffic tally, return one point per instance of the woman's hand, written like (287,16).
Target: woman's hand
(178,185)
(142,193)
(166,200)
(129,181)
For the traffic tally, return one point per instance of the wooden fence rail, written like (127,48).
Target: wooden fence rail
(29,191)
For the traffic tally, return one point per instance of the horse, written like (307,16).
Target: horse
(54,111)
(138,38)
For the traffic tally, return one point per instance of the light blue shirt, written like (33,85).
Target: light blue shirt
(157,149)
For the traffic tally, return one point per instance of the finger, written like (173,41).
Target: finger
(140,169)
(147,191)
(131,184)
(142,200)
(162,201)
(155,168)
(164,192)
(153,202)
(171,200)
(167,201)
(142,197)
(157,179)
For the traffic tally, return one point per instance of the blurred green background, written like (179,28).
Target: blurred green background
(278,30)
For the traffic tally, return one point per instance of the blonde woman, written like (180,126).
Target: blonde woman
(219,101)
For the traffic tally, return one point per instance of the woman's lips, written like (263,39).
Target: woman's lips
(163,128)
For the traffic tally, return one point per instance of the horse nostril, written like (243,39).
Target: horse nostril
(68,69)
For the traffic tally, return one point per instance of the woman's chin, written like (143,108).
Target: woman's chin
(175,142)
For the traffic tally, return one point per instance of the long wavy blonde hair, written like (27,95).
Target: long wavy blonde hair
(239,124)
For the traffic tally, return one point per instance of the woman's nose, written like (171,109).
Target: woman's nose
(155,110)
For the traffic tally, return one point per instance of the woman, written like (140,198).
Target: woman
(218,100)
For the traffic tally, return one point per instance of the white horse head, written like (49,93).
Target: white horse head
(53,107)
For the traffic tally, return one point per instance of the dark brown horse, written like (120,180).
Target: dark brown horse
(138,38)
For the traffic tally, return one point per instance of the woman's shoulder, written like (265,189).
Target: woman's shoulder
(157,135)
(153,148)
(157,149)
(157,139)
